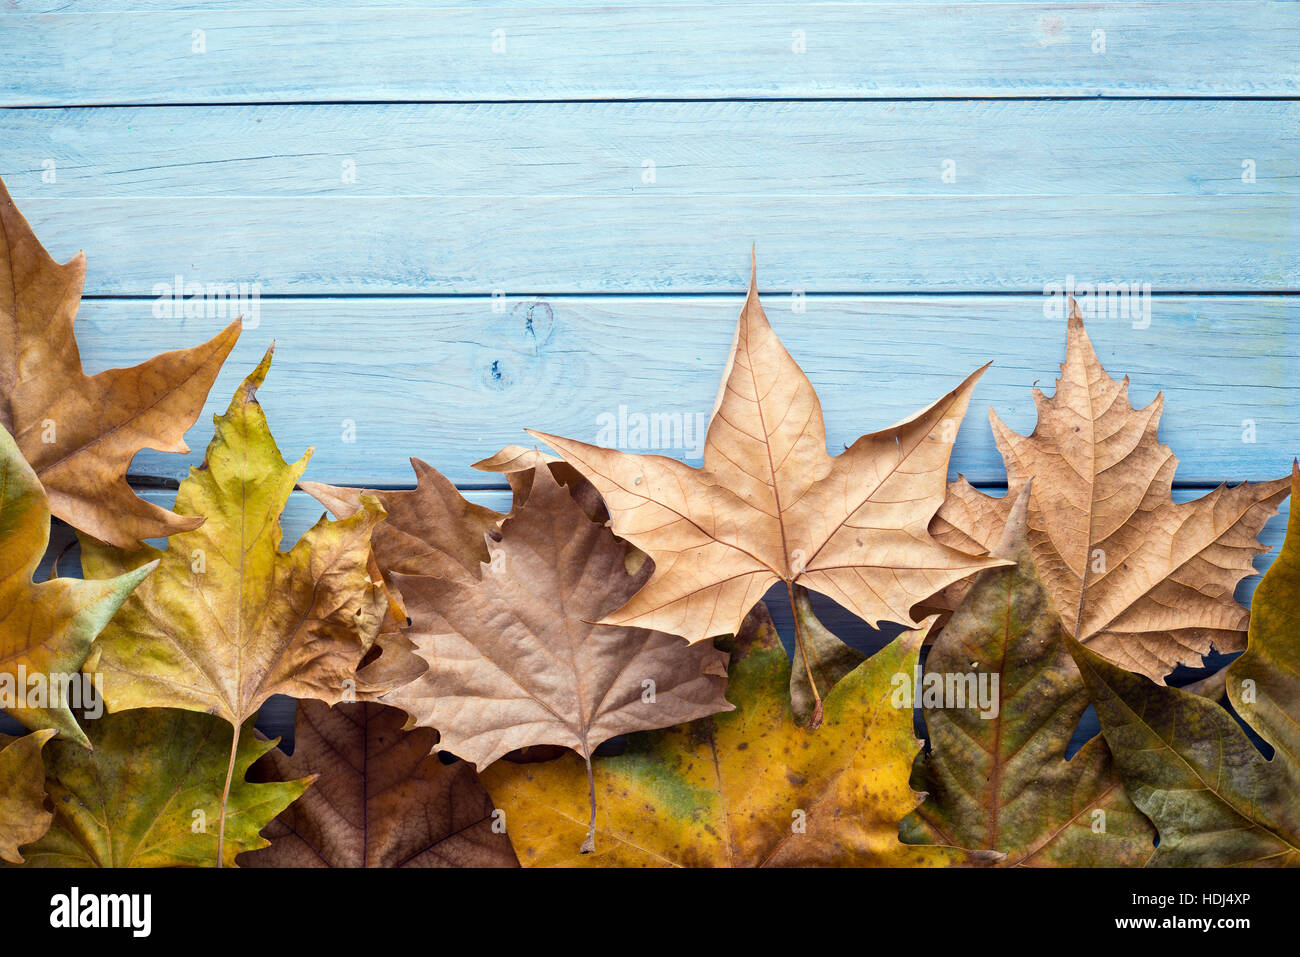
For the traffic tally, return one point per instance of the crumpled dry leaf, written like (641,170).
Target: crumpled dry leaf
(80,432)
(770,505)
(23,817)
(46,628)
(381,799)
(1215,799)
(228,620)
(996,774)
(150,792)
(747,788)
(391,662)
(1139,579)
(514,659)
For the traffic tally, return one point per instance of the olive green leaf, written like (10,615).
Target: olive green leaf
(46,628)
(1189,766)
(150,793)
(1002,698)
(1264,683)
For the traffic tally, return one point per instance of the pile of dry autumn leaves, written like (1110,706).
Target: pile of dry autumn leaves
(419,624)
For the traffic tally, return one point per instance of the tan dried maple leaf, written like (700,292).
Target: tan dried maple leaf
(23,817)
(770,505)
(80,432)
(1138,578)
(515,659)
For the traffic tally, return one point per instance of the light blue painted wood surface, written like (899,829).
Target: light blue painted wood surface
(1043,148)
(451,381)
(644,242)
(158,6)
(623,292)
(651,50)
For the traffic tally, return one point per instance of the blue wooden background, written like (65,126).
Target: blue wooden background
(451,215)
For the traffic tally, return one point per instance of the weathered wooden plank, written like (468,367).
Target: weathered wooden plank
(767,148)
(645,51)
(451,381)
(161,6)
(648,243)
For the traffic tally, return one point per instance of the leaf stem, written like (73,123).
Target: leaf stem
(816,720)
(589,845)
(225,796)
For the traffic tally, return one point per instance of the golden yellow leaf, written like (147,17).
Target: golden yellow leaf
(746,788)
(229,619)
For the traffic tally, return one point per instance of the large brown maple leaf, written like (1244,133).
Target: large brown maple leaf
(1138,578)
(516,660)
(80,432)
(769,504)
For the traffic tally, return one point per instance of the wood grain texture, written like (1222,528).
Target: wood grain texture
(768,148)
(173,6)
(646,243)
(652,50)
(452,381)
